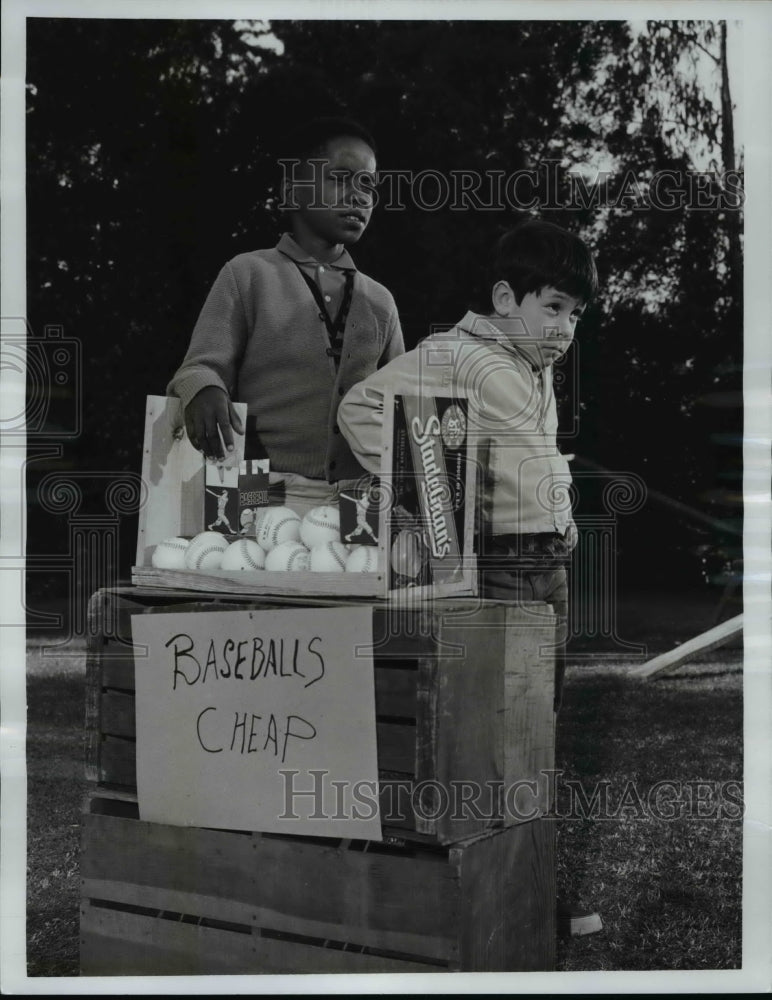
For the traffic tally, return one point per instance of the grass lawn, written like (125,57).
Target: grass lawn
(664,870)
(55,791)
(668,890)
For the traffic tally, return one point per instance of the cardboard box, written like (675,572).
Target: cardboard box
(428,523)
(418,515)
(253,493)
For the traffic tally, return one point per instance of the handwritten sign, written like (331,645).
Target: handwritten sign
(258,720)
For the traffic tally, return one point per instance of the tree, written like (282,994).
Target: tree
(151,161)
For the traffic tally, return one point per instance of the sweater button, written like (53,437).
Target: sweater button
(333,463)
(336,429)
(341,391)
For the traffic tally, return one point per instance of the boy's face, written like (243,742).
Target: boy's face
(334,199)
(543,323)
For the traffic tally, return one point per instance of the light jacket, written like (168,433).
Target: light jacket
(512,418)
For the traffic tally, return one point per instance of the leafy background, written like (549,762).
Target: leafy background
(149,165)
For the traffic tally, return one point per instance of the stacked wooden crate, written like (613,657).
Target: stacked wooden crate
(463,694)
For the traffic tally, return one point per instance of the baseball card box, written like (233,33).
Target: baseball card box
(405,534)
(428,496)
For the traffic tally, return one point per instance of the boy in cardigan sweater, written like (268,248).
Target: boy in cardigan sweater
(289,330)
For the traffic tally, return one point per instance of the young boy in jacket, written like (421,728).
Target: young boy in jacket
(288,330)
(542,279)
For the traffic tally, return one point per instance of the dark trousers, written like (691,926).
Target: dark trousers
(509,574)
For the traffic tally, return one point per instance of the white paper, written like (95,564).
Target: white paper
(246,718)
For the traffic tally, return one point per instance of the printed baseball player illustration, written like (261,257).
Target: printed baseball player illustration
(362,526)
(222,500)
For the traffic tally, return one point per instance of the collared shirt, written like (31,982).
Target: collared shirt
(261,338)
(329,277)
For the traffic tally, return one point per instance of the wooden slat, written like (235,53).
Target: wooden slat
(396,747)
(293,957)
(155,897)
(396,691)
(508,897)
(199,872)
(111,802)
(119,943)
(404,634)
(109,612)
(427,727)
(118,714)
(93,716)
(393,902)
(529,717)
(117,669)
(102,616)
(117,762)
(362,585)
(702,643)
(464,696)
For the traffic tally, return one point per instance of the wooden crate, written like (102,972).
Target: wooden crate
(163,900)
(463,694)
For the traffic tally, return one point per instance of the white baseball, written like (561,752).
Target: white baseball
(205,551)
(329,557)
(170,553)
(322,524)
(362,559)
(243,554)
(287,556)
(277,525)
(259,514)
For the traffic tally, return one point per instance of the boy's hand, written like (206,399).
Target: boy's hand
(209,409)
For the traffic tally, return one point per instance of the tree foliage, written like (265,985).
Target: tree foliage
(150,162)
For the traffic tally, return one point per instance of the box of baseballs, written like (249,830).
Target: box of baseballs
(214,527)
(428,479)
(408,529)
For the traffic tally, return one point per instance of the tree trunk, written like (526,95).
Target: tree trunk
(734,217)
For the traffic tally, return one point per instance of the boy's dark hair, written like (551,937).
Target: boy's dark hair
(536,254)
(307,140)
